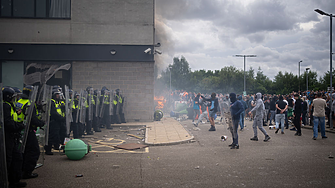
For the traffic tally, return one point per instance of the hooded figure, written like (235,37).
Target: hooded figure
(236,108)
(258,119)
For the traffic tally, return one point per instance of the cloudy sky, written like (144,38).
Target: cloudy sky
(280,32)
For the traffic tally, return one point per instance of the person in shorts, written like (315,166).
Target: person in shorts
(213,108)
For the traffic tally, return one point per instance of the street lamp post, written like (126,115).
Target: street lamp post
(307,78)
(331,63)
(170,87)
(299,75)
(244,56)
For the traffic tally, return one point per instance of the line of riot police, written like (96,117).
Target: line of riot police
(46,117)
(82,113)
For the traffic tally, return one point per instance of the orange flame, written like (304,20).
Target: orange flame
(160,101)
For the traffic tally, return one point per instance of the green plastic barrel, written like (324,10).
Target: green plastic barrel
(76,149)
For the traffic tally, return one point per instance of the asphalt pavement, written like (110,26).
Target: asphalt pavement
(284,161)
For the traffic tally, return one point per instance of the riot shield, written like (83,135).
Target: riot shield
(79,106)
(102,108)
(90,104)
(3,164)
(97,104)
(83,107)
(117,98)
(67,110)
(46,102)
(122,104)
(29,113)
(70,107)
(43,133)
(111,97)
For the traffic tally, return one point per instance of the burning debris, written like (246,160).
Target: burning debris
(159,102)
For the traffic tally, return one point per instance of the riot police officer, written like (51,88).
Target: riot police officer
(89,109)
(56,121)
(32,149)
(12,139)
(18,94)
(116,112)
(105,94)
(96,119)
(74,124)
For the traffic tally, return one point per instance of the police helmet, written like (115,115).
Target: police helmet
(103,90)
(27,89)
(17,90)
(117,91)
(8,94)
(55,91)
(89,88)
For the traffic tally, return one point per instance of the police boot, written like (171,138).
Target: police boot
(123,120)
(29,175)
(18,184)
(48,150)
(118,119)
(96,128)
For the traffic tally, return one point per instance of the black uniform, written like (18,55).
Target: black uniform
(96,119)
(55,124)
(32,149)
(74,125)
(12,140)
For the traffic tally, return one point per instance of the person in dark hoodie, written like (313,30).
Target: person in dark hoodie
(297,114)
(245,106)
(236,108)
(213,108)
(258,119)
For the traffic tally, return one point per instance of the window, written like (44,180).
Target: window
(53,9)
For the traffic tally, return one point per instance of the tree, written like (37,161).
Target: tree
(180,71)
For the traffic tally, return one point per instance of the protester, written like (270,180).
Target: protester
(212,110)
(245,106)
(297,114)
(258,121)
(281,107)
(319,105)
(236,108)
(267,109)
(203,105)
(272,110)
(196,110)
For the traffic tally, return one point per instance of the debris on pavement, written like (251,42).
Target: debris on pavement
(79,175)
(131,146)
(331,157)
(197,167)
(196,128)
(116,166)
(135,136)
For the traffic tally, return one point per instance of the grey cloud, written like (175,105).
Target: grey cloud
(189,46)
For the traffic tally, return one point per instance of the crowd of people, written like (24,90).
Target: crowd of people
(85,113)
(279,111)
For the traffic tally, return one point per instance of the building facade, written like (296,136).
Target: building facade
(82,43)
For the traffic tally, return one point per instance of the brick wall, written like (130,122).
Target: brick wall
(135,79)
